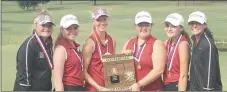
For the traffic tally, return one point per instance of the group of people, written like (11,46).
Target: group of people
(174,65)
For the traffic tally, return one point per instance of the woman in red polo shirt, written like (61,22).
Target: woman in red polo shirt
(97,45)
(177,46)
(149,55)
(68,61)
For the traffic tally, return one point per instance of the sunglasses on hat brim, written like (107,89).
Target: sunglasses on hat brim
(48,24)
(98,18)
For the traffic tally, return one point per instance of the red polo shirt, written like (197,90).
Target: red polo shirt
(73,73)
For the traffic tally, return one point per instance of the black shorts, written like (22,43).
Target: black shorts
(174,86)
(73,88)
(171,86)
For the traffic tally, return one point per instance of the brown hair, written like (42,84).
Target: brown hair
(209,33)
(183,32)
(60,36)
(42,12)
(49,40)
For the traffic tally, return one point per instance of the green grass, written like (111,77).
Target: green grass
(17,24)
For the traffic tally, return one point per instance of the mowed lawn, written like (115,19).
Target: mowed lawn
(17,25)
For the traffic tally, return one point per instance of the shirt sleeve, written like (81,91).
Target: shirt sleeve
(25,57)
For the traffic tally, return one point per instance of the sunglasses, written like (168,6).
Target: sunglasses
(102,17)
(48,25)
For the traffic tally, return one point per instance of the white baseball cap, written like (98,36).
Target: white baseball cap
(68,20)
(99,12)
(198,17)
(175,19)
(143,16)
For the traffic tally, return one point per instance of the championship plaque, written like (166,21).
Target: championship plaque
(221,43)
(119,71)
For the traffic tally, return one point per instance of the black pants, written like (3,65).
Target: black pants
(33,87)
(171,86)
(73,88)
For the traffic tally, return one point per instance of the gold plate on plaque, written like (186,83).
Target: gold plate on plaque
(119,71)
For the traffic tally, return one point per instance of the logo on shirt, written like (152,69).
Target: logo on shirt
(41,55)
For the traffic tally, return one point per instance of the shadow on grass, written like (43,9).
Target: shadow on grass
(16,22)
(32,10)
(109,3)
(6,29)
(198,3)
(76,2)
(98,3)
(56,8)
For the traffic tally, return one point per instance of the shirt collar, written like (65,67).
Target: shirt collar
(69,45)
(147,40)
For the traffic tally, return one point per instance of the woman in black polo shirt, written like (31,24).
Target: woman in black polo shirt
(34,57)
(204,71)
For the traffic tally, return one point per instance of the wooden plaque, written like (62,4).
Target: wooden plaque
(119,71)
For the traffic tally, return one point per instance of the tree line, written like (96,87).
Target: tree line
(28,4)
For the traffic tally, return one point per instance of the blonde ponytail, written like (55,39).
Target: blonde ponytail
(42,12)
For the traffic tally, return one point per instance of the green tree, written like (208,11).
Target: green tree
(94,2)
(44,1)
(27,4)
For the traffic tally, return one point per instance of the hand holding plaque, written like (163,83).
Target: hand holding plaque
(221,43)
(134,87)
(107,54)
(127,52)
(104,89)
(119,72)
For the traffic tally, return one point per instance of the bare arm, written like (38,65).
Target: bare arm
(166,42)
(158,58)
(184,60)
(59,59)
(124,47)
(114,43)
(87,51)
(165,62)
